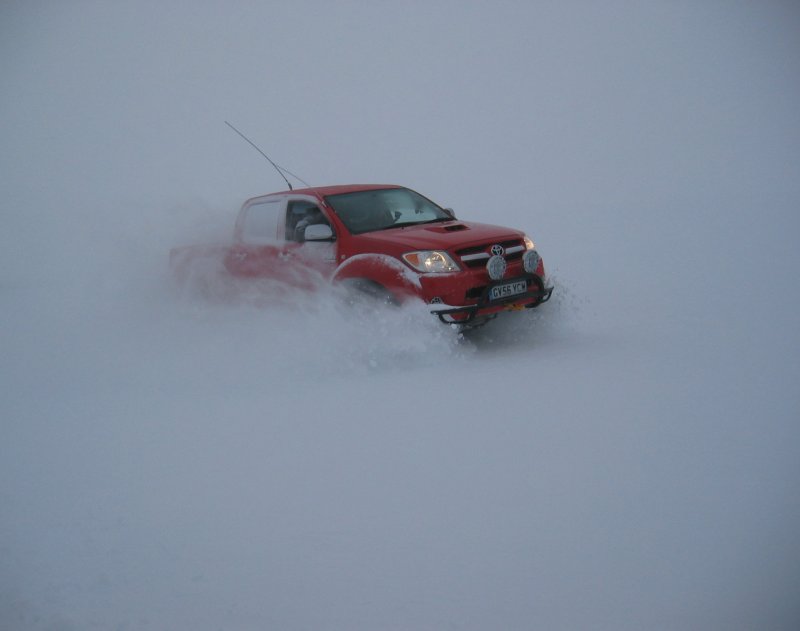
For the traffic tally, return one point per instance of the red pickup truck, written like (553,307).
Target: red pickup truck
(386,241)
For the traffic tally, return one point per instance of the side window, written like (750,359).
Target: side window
(261,222)
(299,215)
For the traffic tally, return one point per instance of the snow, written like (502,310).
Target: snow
(241,456)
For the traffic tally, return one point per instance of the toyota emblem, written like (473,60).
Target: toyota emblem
(498,250)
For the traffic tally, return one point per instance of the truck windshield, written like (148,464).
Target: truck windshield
(381,209)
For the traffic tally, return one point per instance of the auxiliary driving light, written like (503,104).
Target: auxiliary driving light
(530,261)
(496,267)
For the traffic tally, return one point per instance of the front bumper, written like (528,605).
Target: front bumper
(537,294)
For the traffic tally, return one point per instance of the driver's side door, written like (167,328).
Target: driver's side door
(310,237)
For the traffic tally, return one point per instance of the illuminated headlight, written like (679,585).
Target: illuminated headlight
(530,260)
(529,244)
(431,261)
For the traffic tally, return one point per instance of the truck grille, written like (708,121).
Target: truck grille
(477,255)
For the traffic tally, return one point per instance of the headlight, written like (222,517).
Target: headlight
(529,244)
(431,261)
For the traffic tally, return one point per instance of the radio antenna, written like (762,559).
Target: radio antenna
(278,168)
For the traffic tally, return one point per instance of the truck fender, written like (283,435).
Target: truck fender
(382,270)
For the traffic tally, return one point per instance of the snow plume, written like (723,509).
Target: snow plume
(324,333)
(320,333)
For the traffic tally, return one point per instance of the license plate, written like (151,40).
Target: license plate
(508,289)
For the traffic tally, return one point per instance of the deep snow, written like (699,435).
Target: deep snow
(231,456)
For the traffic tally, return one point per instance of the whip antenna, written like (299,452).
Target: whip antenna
(278,168)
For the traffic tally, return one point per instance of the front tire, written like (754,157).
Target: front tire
(365,291)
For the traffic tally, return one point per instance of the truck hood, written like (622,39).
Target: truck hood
(449,235)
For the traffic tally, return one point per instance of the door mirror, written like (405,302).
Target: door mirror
(319,232)
(450,212)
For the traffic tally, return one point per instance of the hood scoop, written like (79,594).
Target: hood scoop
(442,228)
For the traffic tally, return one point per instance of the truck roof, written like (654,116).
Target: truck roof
(324,191)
